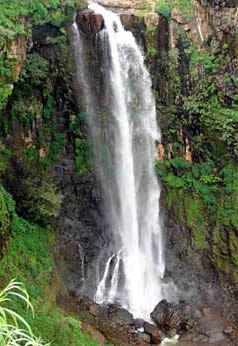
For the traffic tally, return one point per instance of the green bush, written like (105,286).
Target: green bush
(5,154)
(164,9)
(216,188)
(83,155)
(42,200)
(29,260)
(7,210)
(35,70)
(57,145)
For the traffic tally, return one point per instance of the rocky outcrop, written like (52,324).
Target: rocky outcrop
(166,50)
(18,50)
(172,319)
(81,229)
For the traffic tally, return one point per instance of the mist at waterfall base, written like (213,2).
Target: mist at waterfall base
(124,132)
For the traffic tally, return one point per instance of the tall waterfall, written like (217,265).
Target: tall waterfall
(135,268)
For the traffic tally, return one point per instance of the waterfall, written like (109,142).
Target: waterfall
(101,290)
(126,168)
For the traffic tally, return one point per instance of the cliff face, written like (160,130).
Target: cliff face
(193,63)
(50,172)
(46,159)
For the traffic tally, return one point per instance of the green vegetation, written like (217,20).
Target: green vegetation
(83,157)
(34,72)
(165,7)
(7,212)
(203,198)
(40,12)
(16,19)
(204,180)
(5,81)
(14,330)
(42,201)
(151,52)
(199,178)
(28,259)
(207,103)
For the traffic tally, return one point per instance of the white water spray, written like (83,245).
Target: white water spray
(134,191)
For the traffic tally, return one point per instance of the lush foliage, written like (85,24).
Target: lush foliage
(165,7)
(42,200)
(7,211)
(29,260)
(40,11)
(203,179)
(83,157)
(17,18)
(14,330)
(207,103)
(34,71)
(5,81)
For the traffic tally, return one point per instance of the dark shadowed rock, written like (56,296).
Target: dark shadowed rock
(89,22)
(120,315)
(139,323)
(153,332)
(95,309)
(171,318)
(145,337)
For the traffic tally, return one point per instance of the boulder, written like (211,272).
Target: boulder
(171,318)
(89,22)
(145,337)
(95,310)
(139,323)
(151,330)
(119,315)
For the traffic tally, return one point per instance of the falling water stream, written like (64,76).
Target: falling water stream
(134,271)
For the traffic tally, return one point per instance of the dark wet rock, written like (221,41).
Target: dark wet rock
(197,313)
(216,337)
(81,230)
(228,330)
(89,22)
(120,315)
(139,323)
(145,337)
(153,332)
(172,318)
(95,310)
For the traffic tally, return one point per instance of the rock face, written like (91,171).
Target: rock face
(18,50)
(81,228)
(166,50)
(89,22)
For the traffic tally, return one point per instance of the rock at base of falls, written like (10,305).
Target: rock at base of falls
(119,315)
(172,318)
(153,332)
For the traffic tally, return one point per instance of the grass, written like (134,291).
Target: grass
(28,259)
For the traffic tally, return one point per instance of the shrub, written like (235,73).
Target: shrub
(7,210)
(34,70)
(164,8)
(42,200)
(83,155)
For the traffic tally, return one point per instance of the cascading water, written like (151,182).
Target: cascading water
(131,187)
